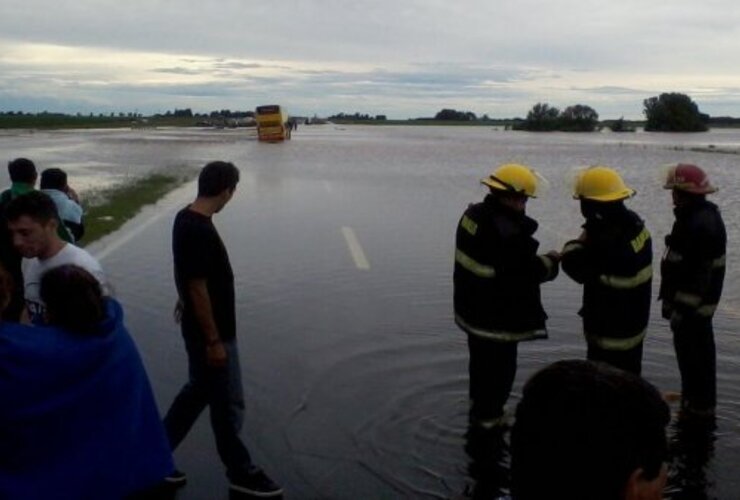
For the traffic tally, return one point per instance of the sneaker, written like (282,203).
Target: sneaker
(256,484)
(176,478)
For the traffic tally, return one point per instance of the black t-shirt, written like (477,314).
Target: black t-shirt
(199,253)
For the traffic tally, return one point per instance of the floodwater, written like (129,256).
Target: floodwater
(342,243)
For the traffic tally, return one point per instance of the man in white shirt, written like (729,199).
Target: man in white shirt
(32,221)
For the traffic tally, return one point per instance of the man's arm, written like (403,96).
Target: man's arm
(201,302)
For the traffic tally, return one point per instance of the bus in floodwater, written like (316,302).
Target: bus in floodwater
(272,123)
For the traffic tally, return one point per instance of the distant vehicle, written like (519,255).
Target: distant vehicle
(272,123)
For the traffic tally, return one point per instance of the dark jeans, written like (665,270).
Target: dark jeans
(492,370)
(693,339)
(629,360)
(221,390)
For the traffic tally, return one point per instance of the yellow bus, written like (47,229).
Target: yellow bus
(272,123)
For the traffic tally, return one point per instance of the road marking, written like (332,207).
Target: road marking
(355,249)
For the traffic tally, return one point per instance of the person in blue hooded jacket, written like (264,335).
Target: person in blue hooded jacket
(78,418)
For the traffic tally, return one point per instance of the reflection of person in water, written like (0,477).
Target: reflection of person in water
(691,448)
(588,431)
(78,418)
(488,467)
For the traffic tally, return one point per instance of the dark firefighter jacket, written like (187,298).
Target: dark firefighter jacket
(498,274)
(693,266)
(614,265)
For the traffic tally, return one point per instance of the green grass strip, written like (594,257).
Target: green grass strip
(108,209)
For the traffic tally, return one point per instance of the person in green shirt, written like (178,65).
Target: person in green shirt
(23,175)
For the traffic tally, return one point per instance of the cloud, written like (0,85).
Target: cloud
(500,57)
(178,71)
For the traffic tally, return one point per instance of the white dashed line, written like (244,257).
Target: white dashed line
(355,249)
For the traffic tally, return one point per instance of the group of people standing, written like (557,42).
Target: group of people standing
(78,418)
(594,428)
(498,273)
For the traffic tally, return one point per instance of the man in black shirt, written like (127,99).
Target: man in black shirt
(205,286)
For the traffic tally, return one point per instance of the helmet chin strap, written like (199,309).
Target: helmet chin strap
(508,186)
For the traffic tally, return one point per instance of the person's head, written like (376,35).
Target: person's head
(54,178)
(32,221)
(688,183)
(218,179)
(601,184)
(600,210)
(588,431)
(512,184)
(73,298)
(22,170)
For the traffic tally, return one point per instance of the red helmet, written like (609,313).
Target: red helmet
(689,178)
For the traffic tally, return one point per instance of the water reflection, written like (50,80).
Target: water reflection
(373,357)
(691,450)
(488,466)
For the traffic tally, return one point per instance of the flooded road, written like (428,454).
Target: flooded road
(342,243)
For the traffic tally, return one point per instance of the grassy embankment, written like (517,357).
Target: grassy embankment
(60,121)
(108,209)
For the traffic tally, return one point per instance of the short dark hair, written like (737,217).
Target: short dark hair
(73,299)
(22,170)
(36,205)
(582,429)
(53,178)
(216,177)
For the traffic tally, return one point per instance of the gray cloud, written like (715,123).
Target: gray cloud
(498,56)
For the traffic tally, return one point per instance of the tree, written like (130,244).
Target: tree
(621,126)
(454,115)
(542,117)
(674,112)
(578,118)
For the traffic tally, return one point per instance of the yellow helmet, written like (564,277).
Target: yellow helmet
(514,178)
(600,183)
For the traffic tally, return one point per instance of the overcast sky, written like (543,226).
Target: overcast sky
(401,58)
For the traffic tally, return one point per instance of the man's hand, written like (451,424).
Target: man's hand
(554,255)
(216,354)
(72,194)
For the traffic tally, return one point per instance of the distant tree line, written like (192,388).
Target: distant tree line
(223,113)
(356,117)
(545,118)
(667,112)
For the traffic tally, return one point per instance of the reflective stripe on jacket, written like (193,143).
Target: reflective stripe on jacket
(614,265)
(693,266)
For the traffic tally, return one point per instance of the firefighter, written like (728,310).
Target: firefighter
(497,287)
(612,259)
(692,273)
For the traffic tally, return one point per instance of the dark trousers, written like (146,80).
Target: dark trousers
(629,360)
(492,369)
(220,389)
(693,339)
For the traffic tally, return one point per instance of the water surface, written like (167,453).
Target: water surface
(356,380)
